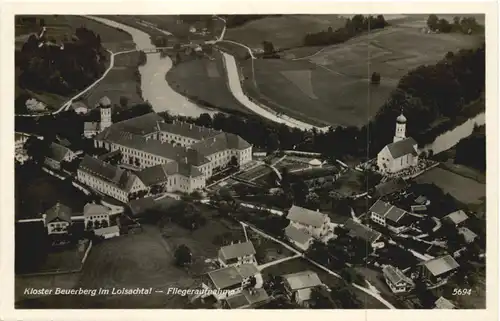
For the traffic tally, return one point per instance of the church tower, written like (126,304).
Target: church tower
(400,128)
(105,107)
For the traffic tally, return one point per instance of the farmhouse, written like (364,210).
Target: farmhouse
(57,154)
(396,280)
(299,237)
(108,232)
(456,218)
(439,269)
(468,235)
(57,219)
(95,216)
(228,281)
(401,154)
(315,223)
(248,298)
(90,129)
(108,179)
(237,254)
(299,285)
(388,215)
(363,232)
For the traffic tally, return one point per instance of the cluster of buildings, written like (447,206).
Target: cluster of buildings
(178,156)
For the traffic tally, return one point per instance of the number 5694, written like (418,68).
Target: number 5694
(461,291)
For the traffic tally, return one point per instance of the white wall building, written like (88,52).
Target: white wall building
(315,223)
(90,129)
(57,219)
(237,254)
(95,214)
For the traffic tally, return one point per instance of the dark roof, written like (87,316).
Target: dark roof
(380,207)
(236,250)
(395,275)
(107,172)
(141,125)
(361,231)
(394,214)
(402,147)
(237,301)
(58,152)
(220,143)
(140,205)
(297,235)
(390,187)
(91,126)
(306,216)
(441,265)
(60,211)
(159,173)
(187,130)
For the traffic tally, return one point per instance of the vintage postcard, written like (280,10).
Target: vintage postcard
(329,157)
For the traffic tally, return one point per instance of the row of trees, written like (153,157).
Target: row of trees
(465,25)
(61,68)
(471,151)
(353,26)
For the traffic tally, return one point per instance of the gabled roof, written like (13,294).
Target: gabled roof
(247,270)
(394,214)
(361,231)
(236,250)
(187,130)
(57,152)
(141,125)
(141,205)
(297,235)
(119,177)
(395,275)
(91,126)
(220,142)
(59,211)
(443,303)
(456,217)
(302,280)
(388,211)
(468,235)
(402,148)
(225,277)
(441,265)
(91,209)
(107,230)
(306,216)
(380,207)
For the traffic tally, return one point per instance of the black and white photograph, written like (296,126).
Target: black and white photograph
(251,161)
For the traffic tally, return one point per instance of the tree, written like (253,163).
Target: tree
(233,162)
(268,47)
(124,101)
(375,79)
(432,22)
(321,299)
(183,256)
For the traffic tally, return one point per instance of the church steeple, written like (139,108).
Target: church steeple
(400,127)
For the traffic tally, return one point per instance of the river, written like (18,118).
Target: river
(450,138)
(154,86)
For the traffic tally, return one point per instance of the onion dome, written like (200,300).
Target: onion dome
(401,119)
(105,102)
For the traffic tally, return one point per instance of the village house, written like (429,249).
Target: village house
(362,232)
(401,154)
(95,216)
(57,154)
(108,179)
(438,270)
(468,235)
(248,298)
(299,237)
(228,281)
(79,107)
(237,254)
(396,280)
(107,232)
(57,219)
(389,216)
(456,218)
(316,224)
(443,303)
(172,177)
(298,286)
(90,129)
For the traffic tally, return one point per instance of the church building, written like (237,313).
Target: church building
(91,129)
(401,154)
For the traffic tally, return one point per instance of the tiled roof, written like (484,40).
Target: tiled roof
(390,212)
(394,214)
(468,235)
(141,125)
(297,235)
(107,230)
(95,209)
(305,216)
(220,142)
(187,130)
(225,277)
(236,250)
(443,303)
(58,152)
(238,301)
(91,126)
(247,270)
(380,207)
(395,275)
(159,173)
(456,217)
(60,211)
(107,172)
(301,280)
(441,265)
(361,231)
(402,147)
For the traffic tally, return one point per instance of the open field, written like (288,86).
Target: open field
(284,32)
(205,80)
(454,184)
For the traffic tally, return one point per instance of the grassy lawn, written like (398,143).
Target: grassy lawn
(204,80)
(65,281)
(284,32)
(453,184)
(267,250)
(350,183)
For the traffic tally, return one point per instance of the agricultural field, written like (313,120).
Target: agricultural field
(206,81)
(453,184)
(284,32)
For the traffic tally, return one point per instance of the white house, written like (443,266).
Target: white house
(57,154)
(299,237)
(108,179)
(402,153)
(456,218)
(228,281)
(57,219)
(108,232)
(95,216)
(362,232)
(388,215)
(237,254)
(298,286)
(315,223)
(396,280)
